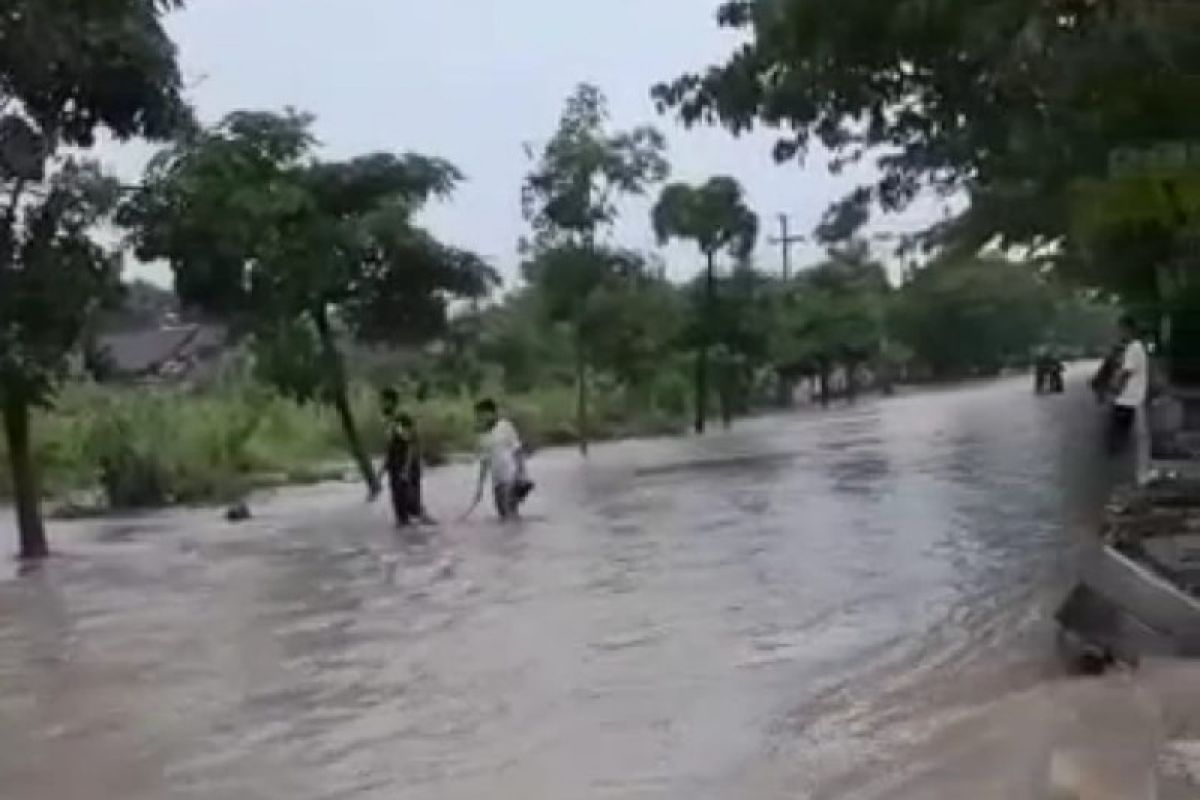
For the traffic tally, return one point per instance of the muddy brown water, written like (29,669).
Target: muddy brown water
(847,604)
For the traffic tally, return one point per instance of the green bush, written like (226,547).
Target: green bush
(131,474)
(151,446)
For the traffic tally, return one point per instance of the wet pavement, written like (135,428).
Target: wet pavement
(845,604)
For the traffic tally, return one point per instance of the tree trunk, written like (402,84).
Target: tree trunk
(705,343)
(726,407)
(25,478)
(823,384)
(581,397)
(851,383)
(885,380)
(340,397)
(728,383)
(785,390)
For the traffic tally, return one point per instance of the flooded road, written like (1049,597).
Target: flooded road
(812,606)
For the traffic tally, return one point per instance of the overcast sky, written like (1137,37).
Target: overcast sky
(471,81)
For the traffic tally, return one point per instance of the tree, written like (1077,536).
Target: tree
(511,336)
(571,200)
(1136,234)
(1010,103)
(1083,322)
(631,321)
(258,230)
(67,70)
(638,320)
(714,216)
(831,316)
(973,317)
(740,332)
(573,285)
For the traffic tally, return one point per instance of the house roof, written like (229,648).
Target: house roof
(147,351)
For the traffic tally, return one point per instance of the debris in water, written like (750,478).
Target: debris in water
(238,513)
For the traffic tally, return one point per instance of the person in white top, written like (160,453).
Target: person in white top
(1131,387)
(502,456)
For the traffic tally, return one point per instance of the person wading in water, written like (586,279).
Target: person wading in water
(402,463)
(501,456)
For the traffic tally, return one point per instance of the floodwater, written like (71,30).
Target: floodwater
(845,604)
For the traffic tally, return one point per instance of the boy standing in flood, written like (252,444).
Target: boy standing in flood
(502,457)
(402,462)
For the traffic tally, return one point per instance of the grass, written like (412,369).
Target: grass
(148,447)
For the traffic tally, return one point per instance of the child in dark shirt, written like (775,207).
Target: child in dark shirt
(402,463)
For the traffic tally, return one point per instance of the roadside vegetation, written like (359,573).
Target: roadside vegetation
(125,448)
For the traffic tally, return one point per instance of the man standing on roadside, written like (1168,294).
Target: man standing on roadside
(1130,387)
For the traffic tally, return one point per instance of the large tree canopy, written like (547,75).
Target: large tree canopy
(254,225)
(1009,102)
(714,215)
(973,317)
(73,67)
(259,230)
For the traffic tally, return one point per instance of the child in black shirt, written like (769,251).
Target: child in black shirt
(402,462)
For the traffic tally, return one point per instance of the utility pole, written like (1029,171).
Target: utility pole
(785,241)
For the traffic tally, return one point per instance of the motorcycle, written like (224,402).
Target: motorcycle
(1048,378)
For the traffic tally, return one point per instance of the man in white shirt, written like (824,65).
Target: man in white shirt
(1131,387)
(501,456)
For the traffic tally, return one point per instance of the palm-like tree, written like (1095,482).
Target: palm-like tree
(714,216)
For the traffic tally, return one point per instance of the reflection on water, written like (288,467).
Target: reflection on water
(851,604)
